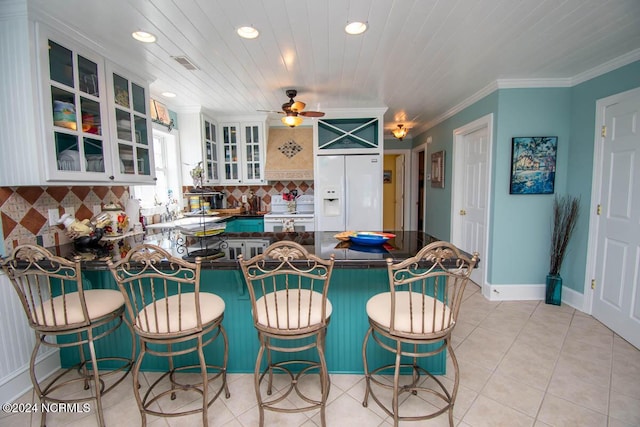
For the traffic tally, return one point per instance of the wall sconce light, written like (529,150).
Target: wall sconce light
(400,132)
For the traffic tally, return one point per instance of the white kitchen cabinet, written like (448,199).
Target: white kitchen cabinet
(130,125)
(210,153)
(63,129)
(242,147)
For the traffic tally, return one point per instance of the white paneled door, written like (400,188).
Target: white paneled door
(471,190)
(616,299)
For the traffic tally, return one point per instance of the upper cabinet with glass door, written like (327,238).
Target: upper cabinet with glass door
(96,124)
(242,153)
(210,155)
(131,127)
(74,114)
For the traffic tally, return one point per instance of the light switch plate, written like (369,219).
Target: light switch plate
(54,216)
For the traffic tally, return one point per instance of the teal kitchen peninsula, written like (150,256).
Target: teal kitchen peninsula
(359,273)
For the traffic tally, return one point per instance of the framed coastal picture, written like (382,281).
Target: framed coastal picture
(533,164)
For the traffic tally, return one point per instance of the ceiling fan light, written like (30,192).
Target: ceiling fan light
(298,106)
(355,28)
(291,121)
(248,32)
(400,132)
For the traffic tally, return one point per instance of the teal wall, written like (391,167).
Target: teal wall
(580,162)
(519,221)
(438,200)
(524,221)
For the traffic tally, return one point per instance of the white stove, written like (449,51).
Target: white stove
(281,219)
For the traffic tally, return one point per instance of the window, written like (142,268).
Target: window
(166,192)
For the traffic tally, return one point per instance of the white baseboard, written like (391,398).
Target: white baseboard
(20,383)
(530,292)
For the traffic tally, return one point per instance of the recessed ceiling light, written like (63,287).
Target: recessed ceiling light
(168,94)
(356,28)
(143,36)
(248,32)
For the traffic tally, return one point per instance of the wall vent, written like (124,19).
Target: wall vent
(185,62)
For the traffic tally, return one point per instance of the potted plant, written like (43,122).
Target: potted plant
(565,217)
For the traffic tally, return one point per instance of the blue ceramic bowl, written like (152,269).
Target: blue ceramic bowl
(368,239)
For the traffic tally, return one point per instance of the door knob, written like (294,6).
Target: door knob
(463,212)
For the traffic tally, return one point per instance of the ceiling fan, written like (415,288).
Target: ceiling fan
(293,110)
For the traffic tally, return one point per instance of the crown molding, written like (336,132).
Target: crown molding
(614,64)
(608,66)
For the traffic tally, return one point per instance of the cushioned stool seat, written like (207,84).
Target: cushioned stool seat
(288,288)
(64,314)
(414,321)
(172,317)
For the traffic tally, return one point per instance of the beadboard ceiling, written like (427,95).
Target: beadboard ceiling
(420,58)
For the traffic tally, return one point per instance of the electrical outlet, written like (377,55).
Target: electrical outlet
(96,209)
(244,198)
(54,216)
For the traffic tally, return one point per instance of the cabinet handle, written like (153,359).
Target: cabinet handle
(112,177)
(155,179)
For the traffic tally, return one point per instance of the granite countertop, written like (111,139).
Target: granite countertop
(322,244)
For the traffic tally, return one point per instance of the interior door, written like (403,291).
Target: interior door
(471,191)
(399,200)
(616,299)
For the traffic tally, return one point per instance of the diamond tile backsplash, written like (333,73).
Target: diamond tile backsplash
(24,211)
(264,192)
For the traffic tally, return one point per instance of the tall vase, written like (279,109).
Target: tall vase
(553,293)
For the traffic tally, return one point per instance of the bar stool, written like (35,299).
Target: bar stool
(414,320)
(172,317)
(288,288)
(64,314)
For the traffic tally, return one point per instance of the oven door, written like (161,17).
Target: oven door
(279,223)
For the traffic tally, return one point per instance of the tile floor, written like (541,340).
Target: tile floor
(522,364)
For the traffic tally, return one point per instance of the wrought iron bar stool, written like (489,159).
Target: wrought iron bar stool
(288,287)
(65,314)
(172,317)
(414,320)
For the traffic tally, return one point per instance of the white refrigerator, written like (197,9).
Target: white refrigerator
(348,192)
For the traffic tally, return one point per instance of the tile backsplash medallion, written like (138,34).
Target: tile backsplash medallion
(25,210)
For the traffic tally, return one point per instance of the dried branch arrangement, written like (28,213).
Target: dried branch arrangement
(565,216)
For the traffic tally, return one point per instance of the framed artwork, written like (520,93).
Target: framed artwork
(386,176)
(533,164)
(159,113)
(437,169)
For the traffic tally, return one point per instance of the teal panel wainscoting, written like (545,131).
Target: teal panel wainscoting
(349,291)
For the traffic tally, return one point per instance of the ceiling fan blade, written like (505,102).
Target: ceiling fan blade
(311,113)
(271,111)
(298,106)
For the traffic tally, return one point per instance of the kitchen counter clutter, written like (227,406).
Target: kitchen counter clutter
(347,253)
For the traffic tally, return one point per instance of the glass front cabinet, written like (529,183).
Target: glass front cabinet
(96,118)
(242,149)
(210,155)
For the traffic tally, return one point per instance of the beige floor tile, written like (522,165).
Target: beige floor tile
(348,411)
(486,412)
(559,412)
(625,408)
(509,354)
(579,392)
(514,394)
(485,347)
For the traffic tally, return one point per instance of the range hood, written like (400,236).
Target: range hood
(289,154)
